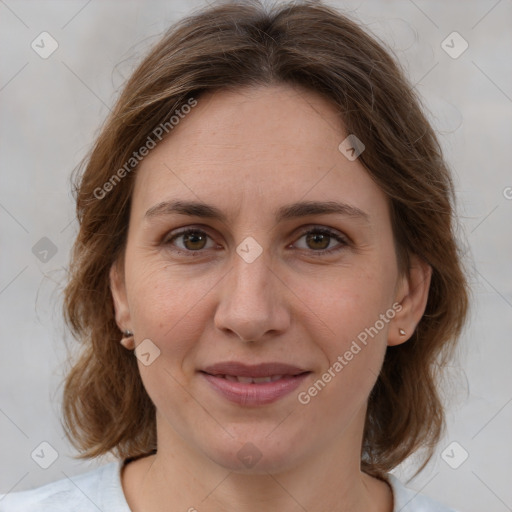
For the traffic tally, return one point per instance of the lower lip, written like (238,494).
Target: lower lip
(251,394)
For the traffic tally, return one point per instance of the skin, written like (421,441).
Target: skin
(248,153)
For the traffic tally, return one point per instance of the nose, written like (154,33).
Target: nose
(252,304)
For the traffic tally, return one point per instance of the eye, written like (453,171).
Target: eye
(319,239)
(193,240)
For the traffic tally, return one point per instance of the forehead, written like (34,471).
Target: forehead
(265,146)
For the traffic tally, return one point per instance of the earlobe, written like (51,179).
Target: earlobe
(118,290)
(412,296)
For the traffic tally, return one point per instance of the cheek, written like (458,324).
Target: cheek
(164,308)
(348,319)
(347,301)
(167,305)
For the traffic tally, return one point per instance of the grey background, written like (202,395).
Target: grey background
(51,110)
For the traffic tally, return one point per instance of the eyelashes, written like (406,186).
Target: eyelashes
(316,235)
(324,234)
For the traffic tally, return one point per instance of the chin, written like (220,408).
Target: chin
(257,452)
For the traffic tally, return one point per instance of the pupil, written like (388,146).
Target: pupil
(316,238)
(193,239)
(322,237)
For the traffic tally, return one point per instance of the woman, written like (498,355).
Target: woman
(267,227)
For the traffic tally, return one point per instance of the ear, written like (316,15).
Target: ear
(412,295)
(118,290)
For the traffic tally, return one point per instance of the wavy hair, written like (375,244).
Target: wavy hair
(241,44)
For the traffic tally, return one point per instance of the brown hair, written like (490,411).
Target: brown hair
(105,406)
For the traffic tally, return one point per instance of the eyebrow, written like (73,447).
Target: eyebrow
(290,211)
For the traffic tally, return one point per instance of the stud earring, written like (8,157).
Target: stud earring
(402,332)
(128,340)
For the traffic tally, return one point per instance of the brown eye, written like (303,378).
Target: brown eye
(318,240)
(192,240)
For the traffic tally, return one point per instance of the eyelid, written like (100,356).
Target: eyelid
(168,237)
(340,237)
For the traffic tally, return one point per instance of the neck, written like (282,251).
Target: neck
(328,480)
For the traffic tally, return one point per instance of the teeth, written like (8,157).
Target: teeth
(244,379)
(255,380)
(262,379)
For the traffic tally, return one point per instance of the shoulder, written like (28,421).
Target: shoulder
(98,489)
(407,500)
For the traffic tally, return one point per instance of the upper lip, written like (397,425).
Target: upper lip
(239,369)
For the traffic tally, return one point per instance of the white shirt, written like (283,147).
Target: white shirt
(100,490)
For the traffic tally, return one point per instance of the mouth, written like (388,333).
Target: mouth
(254,371)
(253,380)
(253,385)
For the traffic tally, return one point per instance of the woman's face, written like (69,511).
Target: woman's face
(257,286)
